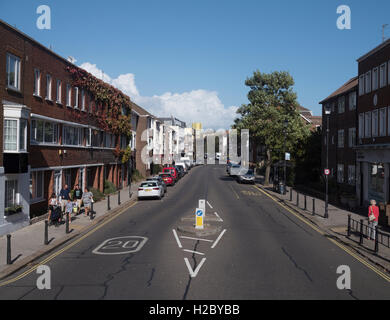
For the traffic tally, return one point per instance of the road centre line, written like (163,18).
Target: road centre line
(209,205)
(191,251)
(345,249)
(177,239)
(198,239)
(219,238)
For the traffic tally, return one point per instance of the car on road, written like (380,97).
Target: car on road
(150,189)
(168,179)
(183,166)
(160,181)
(234,170)
(180,170)
(173,172)
(248,177)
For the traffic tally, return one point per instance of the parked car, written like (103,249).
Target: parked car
(172,171)
(150,189)
(168,179)
(160,181)
(180,171)
(234,169)
(183,165)
(183,168)
(248,177)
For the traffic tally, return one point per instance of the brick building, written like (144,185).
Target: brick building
(51,134)
(342,135)
(373,148)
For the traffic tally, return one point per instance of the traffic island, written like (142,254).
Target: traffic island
(210,226)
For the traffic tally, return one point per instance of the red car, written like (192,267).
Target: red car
(168,179)
(172,171)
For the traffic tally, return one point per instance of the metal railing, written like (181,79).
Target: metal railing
(365,231)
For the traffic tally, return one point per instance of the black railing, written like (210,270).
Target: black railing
(366,231)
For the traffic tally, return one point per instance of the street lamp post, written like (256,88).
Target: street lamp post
(285,125)
(327,112)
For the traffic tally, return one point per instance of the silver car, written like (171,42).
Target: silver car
(248,177)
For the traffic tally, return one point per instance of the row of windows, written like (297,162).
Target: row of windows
(351,174)
(374,79)
(341,103)
(373,123)
(351,138)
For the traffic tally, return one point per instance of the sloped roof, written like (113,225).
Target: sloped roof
(348,86)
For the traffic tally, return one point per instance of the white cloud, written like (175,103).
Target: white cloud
(195,106)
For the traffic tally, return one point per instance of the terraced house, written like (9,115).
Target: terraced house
(373,149)
(54,129)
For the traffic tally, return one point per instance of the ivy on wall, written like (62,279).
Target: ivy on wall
(112,108)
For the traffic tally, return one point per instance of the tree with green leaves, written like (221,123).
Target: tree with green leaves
(272,101)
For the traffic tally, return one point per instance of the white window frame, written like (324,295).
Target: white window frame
(340,138)
(351,177)
(340,173)
(382,122)
(367,81)
(18,135)
(34,133)
(374,125)
(37,82)
(48,87)
(59,91)
(76,100)
(383,75)
(361,85)
(80,136)
(352,137)
(375,79)
(40,174)
(367,124)
(352,100)
(16,70)
(341,104)
(361,125)
(82,100)
(68,95)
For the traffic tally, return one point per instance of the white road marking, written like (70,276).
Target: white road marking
(177,239)
(220,219)
(198,239)
(196,252)
(209,205)
(121,246)
(194,273)
(219,238)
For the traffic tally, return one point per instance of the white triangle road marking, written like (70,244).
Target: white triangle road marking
(194,273)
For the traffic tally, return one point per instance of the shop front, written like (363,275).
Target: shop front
(373,175)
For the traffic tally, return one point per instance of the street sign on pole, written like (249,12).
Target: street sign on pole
(327,172)
(287,156)
(199,215)
(202,205)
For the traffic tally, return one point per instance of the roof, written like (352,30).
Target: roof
(376,49)
(346,87)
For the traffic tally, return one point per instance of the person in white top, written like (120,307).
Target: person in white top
(53,203)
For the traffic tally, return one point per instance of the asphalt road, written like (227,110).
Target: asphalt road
(263,252)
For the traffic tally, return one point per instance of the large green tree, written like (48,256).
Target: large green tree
(271,102)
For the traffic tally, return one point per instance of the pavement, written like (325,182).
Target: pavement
(27,244)
(265,250)
(336,224)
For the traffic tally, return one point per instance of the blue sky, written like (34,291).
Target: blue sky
(188,54)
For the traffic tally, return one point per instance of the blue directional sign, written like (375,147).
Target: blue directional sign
(199,212)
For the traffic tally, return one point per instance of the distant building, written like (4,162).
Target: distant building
(307,115)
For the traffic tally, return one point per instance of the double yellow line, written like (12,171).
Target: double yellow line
(51,257)
(344,248)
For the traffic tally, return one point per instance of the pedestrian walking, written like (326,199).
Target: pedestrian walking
(87,201)
(53,204)
(64,197)
(373,218)
(69,210)
(78,197)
